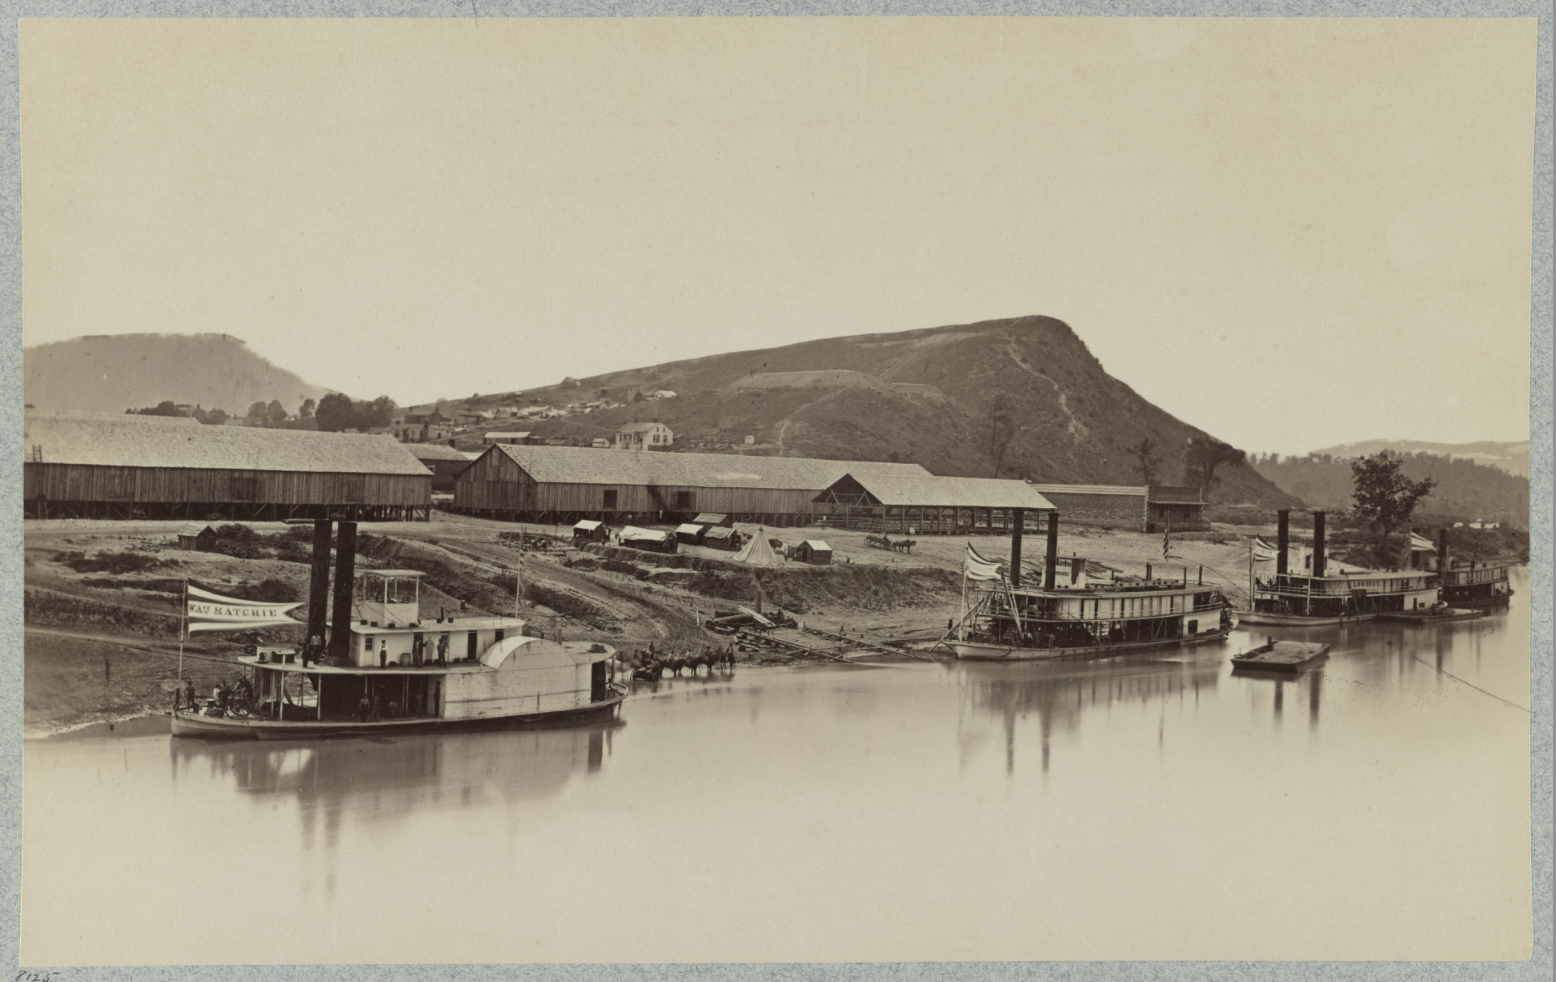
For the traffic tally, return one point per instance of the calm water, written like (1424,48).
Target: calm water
(1139,808)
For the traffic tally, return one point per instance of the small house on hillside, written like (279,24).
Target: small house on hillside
(444,462)
(512,438)
(644,436)
(197,537)
(590,531)
(813,551)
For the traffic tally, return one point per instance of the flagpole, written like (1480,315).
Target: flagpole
(1250,574)
(183,616)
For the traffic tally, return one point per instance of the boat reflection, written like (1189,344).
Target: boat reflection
(1061,692)
(371,782)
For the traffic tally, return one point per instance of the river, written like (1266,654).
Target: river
(1143,807)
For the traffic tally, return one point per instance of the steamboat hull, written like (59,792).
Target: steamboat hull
(221,728)
(1266,618)
(975,651)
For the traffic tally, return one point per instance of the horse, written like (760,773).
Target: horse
(904,545)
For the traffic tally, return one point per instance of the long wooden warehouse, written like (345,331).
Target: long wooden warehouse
(1139,509)
(921,504)
(565,484)
(89,465)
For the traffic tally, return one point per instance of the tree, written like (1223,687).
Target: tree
(212,417)
(1204,456)
(335,412)
(306,409)
(275,412)
(1384,497)
(376,413)
(1000,418)
(1145,460)
(258,414)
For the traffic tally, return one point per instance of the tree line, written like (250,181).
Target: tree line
(1461,489)
(333,413)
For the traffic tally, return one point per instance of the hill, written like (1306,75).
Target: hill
(112,373)
(1510,457)
(1465,490)
(920,396)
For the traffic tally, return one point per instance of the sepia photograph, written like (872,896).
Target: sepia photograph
(637,490)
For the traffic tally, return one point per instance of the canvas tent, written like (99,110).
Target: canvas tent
(757,552)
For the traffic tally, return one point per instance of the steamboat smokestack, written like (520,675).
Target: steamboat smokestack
(1443,564)
(1051,560)
(1282,539)
(1318,543)
(1018,520)
(345,580)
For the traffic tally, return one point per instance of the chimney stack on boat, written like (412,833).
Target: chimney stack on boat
(1282,539)
(1018,520)
(1443,565)
(1318,543)
(1051,560)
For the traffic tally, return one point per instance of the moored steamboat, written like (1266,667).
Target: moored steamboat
(1004,621)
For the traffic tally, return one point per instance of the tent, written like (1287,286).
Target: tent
(757,552)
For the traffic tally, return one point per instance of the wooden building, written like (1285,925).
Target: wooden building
(652,540)
(564,484)
(690,533)
(721,537)
(590,531)
(443,461)
(914,505)
(87,465)
(1138,509)
(644,436)
(813,551)
(196,537)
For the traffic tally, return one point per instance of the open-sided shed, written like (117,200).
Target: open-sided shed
(883,502)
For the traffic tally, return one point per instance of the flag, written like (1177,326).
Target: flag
(975,567)
(1263,552)
(1420,543)
(207,611)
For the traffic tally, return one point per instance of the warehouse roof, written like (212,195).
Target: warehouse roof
(1118,489)
(435,451)
(930,491)
(583,465)
(92,439)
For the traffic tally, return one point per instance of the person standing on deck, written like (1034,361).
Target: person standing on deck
(383,653)
(364,707)
(443,651)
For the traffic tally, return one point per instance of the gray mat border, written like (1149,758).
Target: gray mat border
(1539,967)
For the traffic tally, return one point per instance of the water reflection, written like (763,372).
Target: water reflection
(1061,692)
(377,781)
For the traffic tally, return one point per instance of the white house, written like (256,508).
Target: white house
(644,436)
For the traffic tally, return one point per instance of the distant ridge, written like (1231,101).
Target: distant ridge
(1510,457)
(112,373)
(917,396)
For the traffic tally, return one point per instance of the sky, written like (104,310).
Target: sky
(1290,233)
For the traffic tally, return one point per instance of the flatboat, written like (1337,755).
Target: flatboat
(1287,657)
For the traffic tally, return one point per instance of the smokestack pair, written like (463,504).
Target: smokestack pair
(1283,541)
